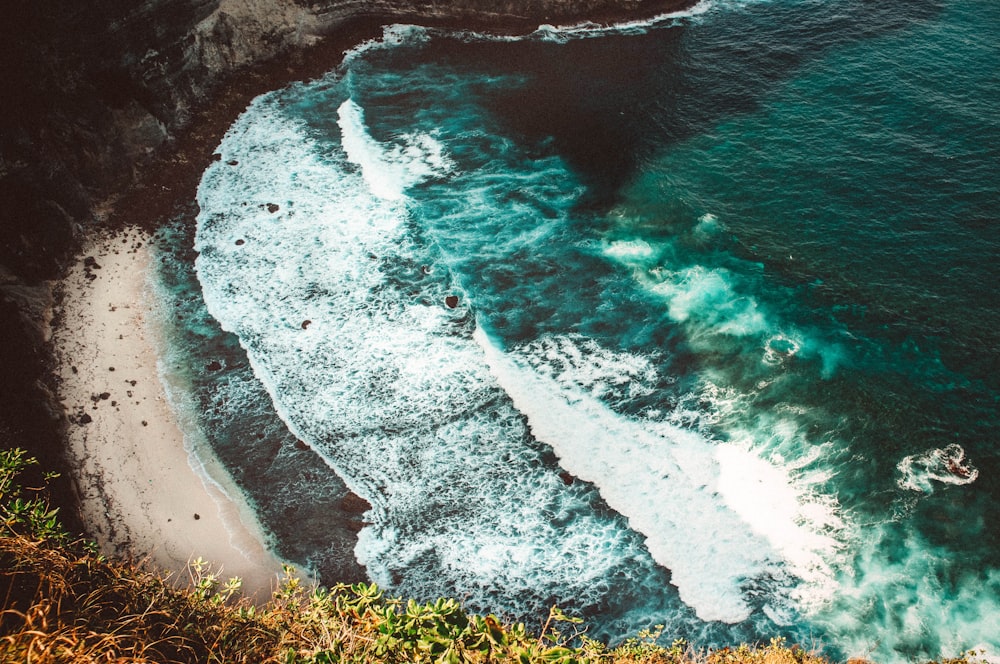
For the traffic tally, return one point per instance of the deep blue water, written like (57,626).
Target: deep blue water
(691,323)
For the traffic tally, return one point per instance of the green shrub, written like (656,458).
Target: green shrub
(65,603)
(27,510)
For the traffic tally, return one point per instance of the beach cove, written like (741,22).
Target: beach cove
(604,282)
(143,492)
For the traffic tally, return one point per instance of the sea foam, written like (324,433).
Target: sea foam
(686,495)
(369,348)
(734,350)
(344,314)
(388,172)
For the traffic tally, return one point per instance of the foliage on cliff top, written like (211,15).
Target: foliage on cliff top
(63,602)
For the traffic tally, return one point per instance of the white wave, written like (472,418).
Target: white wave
(389,171)
(386,383)
(588,29)
(631,251)
(701,296)
(582,364)
(561,34)
(898,600)
(687,495)
(707,296)
(708,227)
(404,34)
(711,304)
(780,347)
(983,654)
(946,465)
(397,34)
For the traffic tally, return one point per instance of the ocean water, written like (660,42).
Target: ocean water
(690,322)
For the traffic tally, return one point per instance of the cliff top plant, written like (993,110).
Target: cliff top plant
(63,602)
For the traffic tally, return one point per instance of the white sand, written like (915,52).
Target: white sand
(141,495)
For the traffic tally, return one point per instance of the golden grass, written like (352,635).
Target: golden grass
(64,603)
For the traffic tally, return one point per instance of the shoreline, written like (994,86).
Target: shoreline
(138,489)
(107,454)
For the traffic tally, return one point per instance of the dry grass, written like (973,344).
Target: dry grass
(64,603)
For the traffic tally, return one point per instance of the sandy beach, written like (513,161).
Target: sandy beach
(140,492)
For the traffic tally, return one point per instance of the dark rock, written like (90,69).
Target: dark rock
(451,301)
(306,324)
(272,207)
(85,419)
(240,243)
(39,226)
(354,504)
(214,365)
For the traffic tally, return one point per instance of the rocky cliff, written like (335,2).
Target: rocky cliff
(92,90)
(107,97)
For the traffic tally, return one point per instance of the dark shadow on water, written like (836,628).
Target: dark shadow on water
(596,98)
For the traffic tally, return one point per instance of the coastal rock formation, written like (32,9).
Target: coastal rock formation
(94,90)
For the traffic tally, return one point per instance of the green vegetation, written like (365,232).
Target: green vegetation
(63,602)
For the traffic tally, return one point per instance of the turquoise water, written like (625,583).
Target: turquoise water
(687,323)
